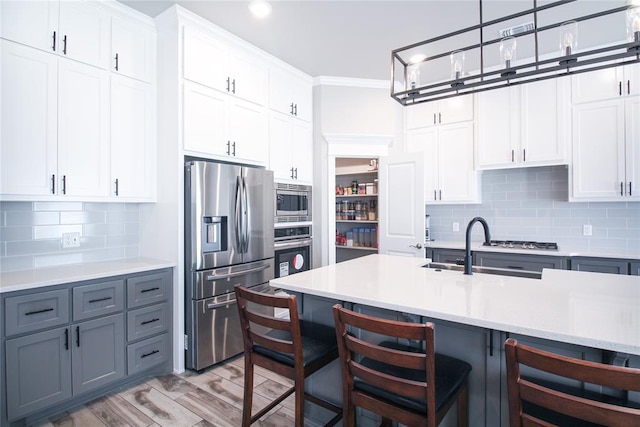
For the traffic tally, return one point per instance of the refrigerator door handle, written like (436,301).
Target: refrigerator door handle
(238,273)
(221,304)
(237,220)
(245,215)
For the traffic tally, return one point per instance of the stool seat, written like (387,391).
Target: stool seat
(450,373)
(318,342)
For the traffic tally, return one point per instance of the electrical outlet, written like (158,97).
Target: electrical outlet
(70,240)
(587,230)
(456,226)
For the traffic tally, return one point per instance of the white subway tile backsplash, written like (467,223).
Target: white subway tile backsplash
(31,232)
(54,231)
(532,204)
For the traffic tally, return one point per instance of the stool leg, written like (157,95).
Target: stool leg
(463,403)
(248,392)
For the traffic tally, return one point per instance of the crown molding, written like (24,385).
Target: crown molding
(350,82)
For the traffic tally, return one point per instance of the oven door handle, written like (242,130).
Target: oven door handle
(221,304)
(238,273)
(292,244)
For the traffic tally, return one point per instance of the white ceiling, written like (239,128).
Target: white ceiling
(330,38)
(355,38)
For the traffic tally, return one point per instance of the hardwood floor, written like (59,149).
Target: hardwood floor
(213,398)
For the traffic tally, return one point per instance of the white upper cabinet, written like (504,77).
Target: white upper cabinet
(132,47)
(219,65)
(448,154)
(132,135)
(291,149)
(446,111)
(74,29)
(33,23)
(28,156)
(523,126)
(605,84)
(83,143)
(290,93)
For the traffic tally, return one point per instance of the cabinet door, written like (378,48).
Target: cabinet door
(497,124)
(632,79)
(40,373)
(597,85)
(632,146)
(83,114)
(30,22)
(600,265)
(425,141)
(421,115)
(131,49)
(132,150)
(248,130)
(544,119)
(302,150)
(302,96)
(204,120)
(248,77)
(290,94)
(98,352)
(84,33)
(28,120)
(457,178)
(455,109)
(205,60)
(598,151)
(280,150)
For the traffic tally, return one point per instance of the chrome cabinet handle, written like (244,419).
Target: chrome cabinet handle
(630,188)
(440,194)
(628,87)
(117,186)
(228,84)
(66,338)
(434,118)
(513,158)
(53,47)
(44,310)
(116,62)
(440,118)
(149,354)
(524,154)
(99,300)
(435,195)
(64,184)
(291,111)
(621,189)
(295,109)
(64,45)
(53,184)
(233,86)
(77,336)
(620,88)
(417,246)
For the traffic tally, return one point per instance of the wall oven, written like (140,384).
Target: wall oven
(292,249)
(292,203)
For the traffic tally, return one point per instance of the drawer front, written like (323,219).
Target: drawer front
(148,321)
(518,262)
(448,256)
(148,289)
(148,353)
(98,299)
(28,313)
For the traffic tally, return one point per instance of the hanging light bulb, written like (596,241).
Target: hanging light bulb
(568,41)
(457,67)
(413,77)
(508,55)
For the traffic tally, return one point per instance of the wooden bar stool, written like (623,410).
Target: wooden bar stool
(399,382)
(290,347)
(543,403)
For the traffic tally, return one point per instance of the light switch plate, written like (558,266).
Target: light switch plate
(456,226)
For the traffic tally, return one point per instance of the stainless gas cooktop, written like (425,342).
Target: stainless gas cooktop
(522,244)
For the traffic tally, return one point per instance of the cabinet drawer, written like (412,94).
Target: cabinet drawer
(148,353)
(147,321)
(33,312)
(600,265)
(518,262)
(98,299)
(448,256)
(148,289)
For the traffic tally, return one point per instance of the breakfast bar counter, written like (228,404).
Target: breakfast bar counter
(593,316)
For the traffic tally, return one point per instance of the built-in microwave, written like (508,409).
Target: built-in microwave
(292,202)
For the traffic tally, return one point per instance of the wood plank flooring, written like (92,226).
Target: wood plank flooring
(213,398)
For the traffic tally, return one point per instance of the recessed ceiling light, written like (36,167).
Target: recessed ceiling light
(260,8)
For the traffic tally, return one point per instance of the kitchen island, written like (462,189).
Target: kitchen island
(592,316)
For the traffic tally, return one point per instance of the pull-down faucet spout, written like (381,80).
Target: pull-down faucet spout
(487,240)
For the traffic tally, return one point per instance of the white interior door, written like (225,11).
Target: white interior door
(401,205)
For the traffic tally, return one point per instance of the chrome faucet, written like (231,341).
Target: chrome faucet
(487,240)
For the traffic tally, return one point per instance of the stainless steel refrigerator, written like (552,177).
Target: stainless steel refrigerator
(228,240)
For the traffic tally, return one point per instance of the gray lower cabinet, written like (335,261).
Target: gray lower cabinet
(519,261)
(634,268)
(600,265)
(75,340)
(446,256)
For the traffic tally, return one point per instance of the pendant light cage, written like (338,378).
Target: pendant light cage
(544,35)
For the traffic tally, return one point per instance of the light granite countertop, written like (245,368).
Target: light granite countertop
(562,251)
(40,277)
(591,309)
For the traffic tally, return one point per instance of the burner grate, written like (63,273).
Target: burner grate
(522,244)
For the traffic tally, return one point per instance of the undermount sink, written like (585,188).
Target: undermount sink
(486,270)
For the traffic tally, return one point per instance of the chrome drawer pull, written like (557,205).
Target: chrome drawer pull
(148,290)
(38,311)
(149,354)
(146,322)
(99,300)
